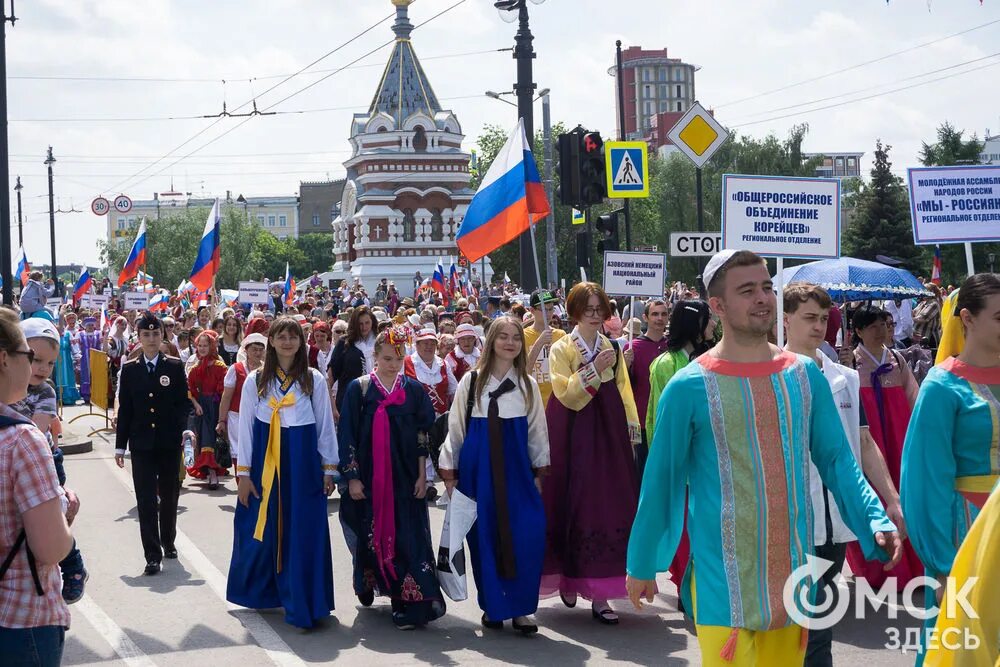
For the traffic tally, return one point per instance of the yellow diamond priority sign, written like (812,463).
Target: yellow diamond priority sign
(698,135)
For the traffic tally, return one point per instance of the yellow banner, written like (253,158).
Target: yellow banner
(99,379)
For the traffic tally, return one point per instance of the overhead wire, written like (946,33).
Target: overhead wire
(858,65)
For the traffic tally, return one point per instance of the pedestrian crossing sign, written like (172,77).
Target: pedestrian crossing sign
(627,169)
(579,217)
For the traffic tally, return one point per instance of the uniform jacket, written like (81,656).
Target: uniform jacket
(153,408)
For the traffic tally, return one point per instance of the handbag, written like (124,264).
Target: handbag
(223,453)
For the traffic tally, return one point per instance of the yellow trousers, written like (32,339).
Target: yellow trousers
(753,648)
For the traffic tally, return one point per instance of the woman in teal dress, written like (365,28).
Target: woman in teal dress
(65,374)
(951,458)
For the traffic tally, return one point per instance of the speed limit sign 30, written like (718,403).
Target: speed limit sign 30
(100,206)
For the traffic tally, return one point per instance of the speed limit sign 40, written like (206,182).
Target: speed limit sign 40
(100,206)
(123,204)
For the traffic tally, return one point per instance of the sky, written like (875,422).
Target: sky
(114,135)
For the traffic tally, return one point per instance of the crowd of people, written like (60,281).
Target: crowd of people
(587,434)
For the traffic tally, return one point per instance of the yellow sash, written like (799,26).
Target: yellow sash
(272,469)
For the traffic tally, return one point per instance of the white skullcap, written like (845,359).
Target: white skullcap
(718,260)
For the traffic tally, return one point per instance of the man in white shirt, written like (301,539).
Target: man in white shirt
(807,309)
(902,316)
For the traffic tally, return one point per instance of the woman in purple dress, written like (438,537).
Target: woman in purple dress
(593,428)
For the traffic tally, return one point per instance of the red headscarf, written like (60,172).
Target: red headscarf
(257,325)
(213,347)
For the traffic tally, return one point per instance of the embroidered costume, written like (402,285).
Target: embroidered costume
(742,435)
(281,542)
(437,379)
(89,340)
(205,384)
(379,446)
(496,462)
(591,495)
(65,373)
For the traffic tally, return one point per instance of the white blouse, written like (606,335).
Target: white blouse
(512,404)
(306,410)
(431,374)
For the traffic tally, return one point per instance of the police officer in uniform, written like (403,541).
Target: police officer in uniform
(153,408)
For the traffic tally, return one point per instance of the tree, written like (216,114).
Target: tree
(318,252)
(951,148)
(881,224)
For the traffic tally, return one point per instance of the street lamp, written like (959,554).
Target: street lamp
(992,258)
(243,200)
(524,54)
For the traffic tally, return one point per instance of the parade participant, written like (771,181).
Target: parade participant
(116,347)
(383,462)
(639,356)
(288,460)
(465,355)
(322,348)
(229,341)
(807,309)
(353,355)
(34,533)
(497,455)
(152,414)
(170,329)
(539,338)
(593,427)
(90,339)
(888,392)
(65,375)
(975,562)
(252,348)
(446,345)
(950,456)
(184,345)
(739,424)
(428,369)
(40,407)
(206,382)
(204,317)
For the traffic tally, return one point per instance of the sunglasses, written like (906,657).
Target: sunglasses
(28,353)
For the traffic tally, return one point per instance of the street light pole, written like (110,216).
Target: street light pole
(5,256)
(20,224)
(49,161)
(524,53)
(621,137)
(552,266)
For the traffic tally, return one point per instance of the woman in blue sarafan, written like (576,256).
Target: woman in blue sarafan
(288,461)
(383,453)
(497,456)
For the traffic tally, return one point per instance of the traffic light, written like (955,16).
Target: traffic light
(593,179)
(607,231)
(569,167)
(583,250)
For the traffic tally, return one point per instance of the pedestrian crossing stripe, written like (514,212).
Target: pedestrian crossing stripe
(627,168)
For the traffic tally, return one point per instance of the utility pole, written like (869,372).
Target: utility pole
(5,256)
(49,161)
(622,137)
(552,266)
(20,224)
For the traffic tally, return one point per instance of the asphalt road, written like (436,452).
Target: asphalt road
(181,615)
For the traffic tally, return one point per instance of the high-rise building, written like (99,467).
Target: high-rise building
(654,83)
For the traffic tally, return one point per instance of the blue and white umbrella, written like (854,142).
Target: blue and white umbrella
(850,279)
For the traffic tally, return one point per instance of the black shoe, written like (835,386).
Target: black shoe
(491,625)
(432,495)
(401,622)
(524,628)
(568,603)
(170,553)
(367,598)
(152,567)
(606,616)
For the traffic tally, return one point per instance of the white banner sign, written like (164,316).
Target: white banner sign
(94,300)
(136,300)
(53,302)
(777,216)
(955,204)
(254,293)
(635,273)
(695,244)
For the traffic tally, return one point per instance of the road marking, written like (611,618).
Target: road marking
(112,633)
(270,641)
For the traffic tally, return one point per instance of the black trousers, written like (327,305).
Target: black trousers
(154,473)
(820,641)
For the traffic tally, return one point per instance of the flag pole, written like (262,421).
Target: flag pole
(534,256)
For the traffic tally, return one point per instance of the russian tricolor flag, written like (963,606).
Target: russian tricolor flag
(453,282)
(23,267)
(289,286)
(83,285)
(136,256)
(206,264)
(507,199)
(159,302)
(936,269)
(438,282)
